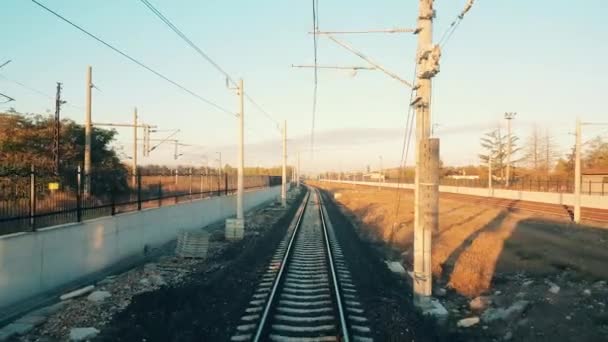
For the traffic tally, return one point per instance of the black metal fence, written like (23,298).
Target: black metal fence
(36,200)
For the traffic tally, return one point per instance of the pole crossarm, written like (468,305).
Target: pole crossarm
(390,30)
(123,125)
(370,61)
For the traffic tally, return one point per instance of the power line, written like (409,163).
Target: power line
(134,60)
(36,91)
(188,41)
(315,24)
(407,136)
(447,34)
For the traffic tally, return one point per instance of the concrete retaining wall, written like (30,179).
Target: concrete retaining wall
(34,263)
(587,201)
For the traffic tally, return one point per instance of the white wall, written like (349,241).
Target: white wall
(588,201)
(38,262)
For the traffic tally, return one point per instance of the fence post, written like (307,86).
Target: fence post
(160,192)
(202,184)
(226,184)
(32,199)
(590,187)
(78,194)
(190,189)
(138,190)
(113,198)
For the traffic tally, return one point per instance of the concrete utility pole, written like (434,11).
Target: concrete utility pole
(235,227)
(134,167)
(490,171)
(577,173)
(88,132)
(241,157)
(284,177)
(509,117)
(427,157)
(298,172)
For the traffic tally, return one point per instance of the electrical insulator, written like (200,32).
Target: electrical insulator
(428,62)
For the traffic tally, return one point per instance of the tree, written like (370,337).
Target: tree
(495,145)
(540,152)
(26,140)
(596,155)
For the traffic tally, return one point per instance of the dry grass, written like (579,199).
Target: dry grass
(475,241)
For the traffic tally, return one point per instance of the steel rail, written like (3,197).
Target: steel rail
(343,326)
(277,281)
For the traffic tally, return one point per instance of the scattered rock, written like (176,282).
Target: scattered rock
(436,310)
(157,280)
(553,288)
(77,293)
(337,195)
(396,267)
(587,292)
(144,281)
(497,293)
(508,336)
(98,296)
(441,292)
(468,322)
(528,282)
(480,303)
(568,317)
(512,312)
(82,334)
(599,284)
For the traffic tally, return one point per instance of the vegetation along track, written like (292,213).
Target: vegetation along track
(306,293)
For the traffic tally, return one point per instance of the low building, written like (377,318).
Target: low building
(594,182)
(374,176)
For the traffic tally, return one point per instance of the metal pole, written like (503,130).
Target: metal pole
(32,198)
(284,174)
(88,132)
(134,167)
(509,117)
(577,173)
(241,156)
(78,195)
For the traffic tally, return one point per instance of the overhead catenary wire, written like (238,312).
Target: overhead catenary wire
(447,34)
(188,41)
(315,26)
(407,136)
(132,59)
(36,91)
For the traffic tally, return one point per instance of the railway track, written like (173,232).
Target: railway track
(306,293)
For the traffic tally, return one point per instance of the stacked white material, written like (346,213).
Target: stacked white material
(235,229)
(192,244)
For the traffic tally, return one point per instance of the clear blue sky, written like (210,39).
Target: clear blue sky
(543,59)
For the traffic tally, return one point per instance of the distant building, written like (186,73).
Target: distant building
(463,177)
(374,176)
(594,181)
